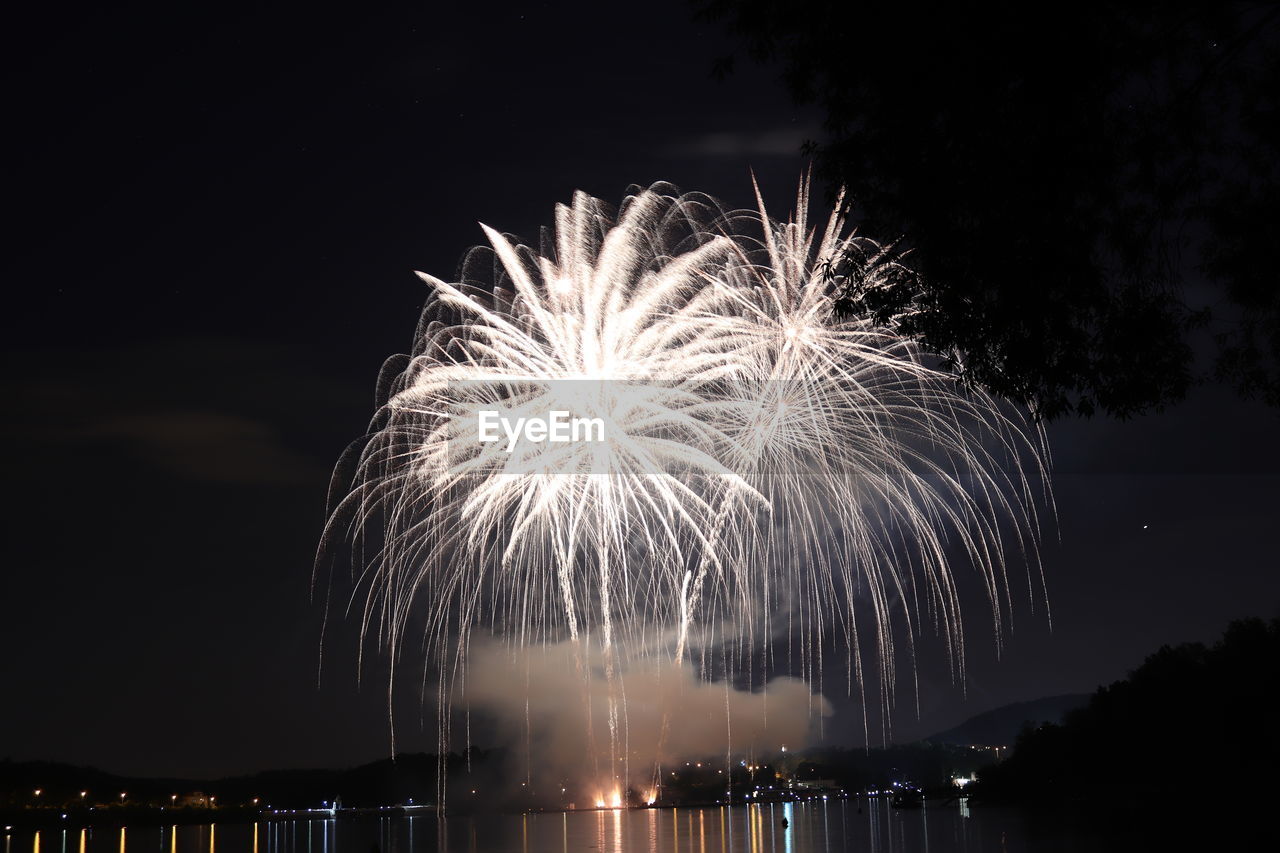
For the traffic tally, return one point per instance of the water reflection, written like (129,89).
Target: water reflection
(868,825)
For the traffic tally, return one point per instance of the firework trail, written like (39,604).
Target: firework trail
(763,468)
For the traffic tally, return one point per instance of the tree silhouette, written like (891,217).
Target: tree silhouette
(1080,188)
(1193,721)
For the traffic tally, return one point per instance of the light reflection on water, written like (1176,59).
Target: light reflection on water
(871,826)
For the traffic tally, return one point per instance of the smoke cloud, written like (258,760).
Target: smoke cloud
(556,706)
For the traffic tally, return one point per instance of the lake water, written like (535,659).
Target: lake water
(871,826)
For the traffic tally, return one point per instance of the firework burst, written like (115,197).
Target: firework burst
(764,468)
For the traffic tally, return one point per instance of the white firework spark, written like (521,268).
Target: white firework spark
(767,467)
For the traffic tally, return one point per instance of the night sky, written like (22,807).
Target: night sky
(213,219)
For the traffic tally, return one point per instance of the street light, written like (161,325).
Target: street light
(122,793)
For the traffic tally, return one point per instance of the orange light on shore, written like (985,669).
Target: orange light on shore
(612,801)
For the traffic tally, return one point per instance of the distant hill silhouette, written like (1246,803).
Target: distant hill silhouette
(1001,726)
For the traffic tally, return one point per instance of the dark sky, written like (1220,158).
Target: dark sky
(212,221)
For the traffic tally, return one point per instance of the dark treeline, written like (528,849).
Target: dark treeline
(410,777)
(924,764)
(1192,730)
